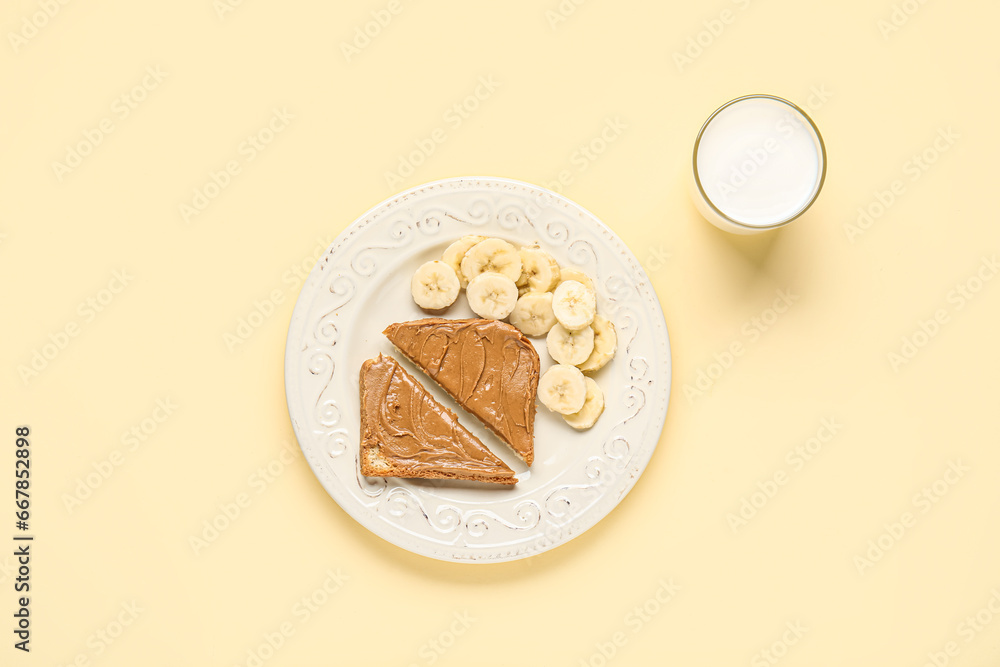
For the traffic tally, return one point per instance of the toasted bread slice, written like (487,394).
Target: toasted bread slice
(406,432)
(487,366)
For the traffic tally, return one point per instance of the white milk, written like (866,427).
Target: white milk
(760,162)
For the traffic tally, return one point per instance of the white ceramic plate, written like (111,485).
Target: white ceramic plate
(362,284)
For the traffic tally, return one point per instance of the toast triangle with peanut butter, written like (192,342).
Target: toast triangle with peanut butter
(406,432)
(487,366)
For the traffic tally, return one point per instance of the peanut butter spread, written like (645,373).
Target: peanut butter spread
(488,366)
(415,435)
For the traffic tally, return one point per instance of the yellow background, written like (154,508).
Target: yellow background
(563,70)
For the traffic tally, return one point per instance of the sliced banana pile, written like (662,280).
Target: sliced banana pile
(528,288)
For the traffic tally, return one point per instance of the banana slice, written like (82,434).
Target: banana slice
(454,253)
(593,406)
(532,314)
(539,269)
(434,286)
(492,256)
(570,347)
(492,295)
(577,275)
(605,345)
(574,305)
(563,389)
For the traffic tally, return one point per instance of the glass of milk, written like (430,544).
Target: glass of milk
(759,163)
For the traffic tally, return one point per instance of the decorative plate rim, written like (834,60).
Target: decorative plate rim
(608,496)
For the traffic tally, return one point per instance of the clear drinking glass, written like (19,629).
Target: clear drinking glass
(759,162)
